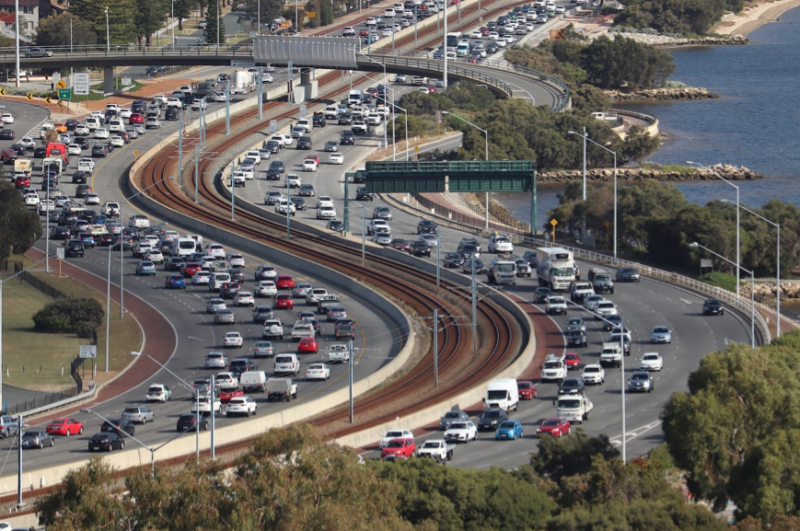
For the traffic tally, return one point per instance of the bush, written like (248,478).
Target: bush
(79,316)
(725,281)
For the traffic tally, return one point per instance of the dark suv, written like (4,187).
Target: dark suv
(363,195)
(241,365)
(713,307)
(420,248)
(489,420)
(75,248)
(319,119)
(577,338)
(304,142)
(572,386)
(427,226)
(347,138)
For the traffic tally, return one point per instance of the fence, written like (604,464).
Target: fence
(41,401)
(42,286)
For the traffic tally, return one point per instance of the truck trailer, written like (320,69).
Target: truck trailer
(555,268)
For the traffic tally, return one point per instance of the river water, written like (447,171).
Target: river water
(754,123)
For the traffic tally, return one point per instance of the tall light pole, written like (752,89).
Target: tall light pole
(585,138)
(108,33)
(752,291)
(16,40)
(486,133)
(219,15)
(778,273)
(583,195)
(173,25)
(738,227)
(258,20)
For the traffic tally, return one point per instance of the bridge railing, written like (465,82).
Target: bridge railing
(133,49)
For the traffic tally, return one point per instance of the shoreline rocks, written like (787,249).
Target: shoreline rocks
(638,174)
(662,94)
(669,41)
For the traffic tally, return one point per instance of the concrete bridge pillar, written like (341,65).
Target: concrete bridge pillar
(308,88)
(108,79)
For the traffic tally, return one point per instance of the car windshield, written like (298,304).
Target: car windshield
(571,383)
(283,359)
(395,444)
(661,330)
(551,422)
(431,444)
(569,404)
(493,414)
(452,415)
(650,357)
(506,424)
(713,303)
(524,385)
(591,369)
(154,390)
(552,364)
(458,426)
(640,376)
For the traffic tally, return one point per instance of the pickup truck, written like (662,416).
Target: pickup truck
(111,209)
(437,449)
(611,355)
(359,127)
(601,280)
(302,329)
(281,389)
(574,408)
(338,353)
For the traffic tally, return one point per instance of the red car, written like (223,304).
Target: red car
(527,390)
(22,182)
(227,394)
(573,361)
(136,118)
(363,33)
(190,269)
(399,244)
(314,158)
(404,448)
(284,302)
(8,156)
(65,427)
(284,282)
(484,30)
(555,427)
(308,345)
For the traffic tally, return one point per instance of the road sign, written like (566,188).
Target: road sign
(607,224)
(80,83)
(61,84)
(48,99)
(126,82)
(88,351)
(64,93)
(416,148)
(60,103)
(2,92)
(311,14)
(29,96)
(553,222)
(60,253)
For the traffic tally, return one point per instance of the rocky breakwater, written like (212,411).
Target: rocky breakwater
(652,172)
(656,39)
(661,94)
(767,291)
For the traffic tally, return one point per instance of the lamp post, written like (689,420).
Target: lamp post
(122,247)
(586,137)
(197,400)
(108,33)
(16,40)
(385,84)
(486,133)
(752,291)
(738,227)
(173,25)
(778,260)
(1,324)
(219,14)
(583,194)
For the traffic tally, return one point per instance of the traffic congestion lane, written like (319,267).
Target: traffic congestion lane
(26,118)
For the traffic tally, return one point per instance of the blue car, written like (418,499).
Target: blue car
(88,240)
(175,282)
(145,267)
(509,429)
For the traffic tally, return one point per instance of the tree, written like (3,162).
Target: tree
(625,63)
(81,316)
(121,15)
(19,226)
(64,30)
(151,15)
(270,10)
(676,16)
(325,12)
(312,6)
(212,20)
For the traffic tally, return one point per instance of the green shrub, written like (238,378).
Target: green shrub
(79,316)
(725,281)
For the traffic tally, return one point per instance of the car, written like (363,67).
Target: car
(572,361)
(119,426)
(490,419)
(105,442)
(382,238)
(661,334)
(284,302)
(336,158)
(150,123)
(335,313)
(572,386)
(225,317)
(284,282)
(157,392)
(541,295)
(509,429)
(262,313)
(215,360)
(189,422)
(145,267)
(263,349)
(347,137)
(605,309)
(713,307)
(554,427)
(266,288)
(451,417)
(65,427)
(627,274)
(461,431)
(245,298)
(241,405)
(576,323)
(651,361)
(395,434)
(577,338)
(101,133)
(140,414)
(307,345)
(398,449)
(318,371)
(175,282)
(640,382)
(233,340)
(556,304)
(382,212)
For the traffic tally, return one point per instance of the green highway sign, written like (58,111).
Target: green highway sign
(64,94)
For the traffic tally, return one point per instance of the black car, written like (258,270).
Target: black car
(171,114)
(273,146)
(82,141)
(427,226)
(336,225)
(80,177)
(75,248)
(106,442)
(627,274)
(318,119)
(541,294)
(19,149)
(230,290)
(489,420)
(188,422)
(237,274)
(577,338)
(239,366)
(82,190)
(71,123)
(299,202)
(99,150)
(347,138)
(174,263)
(104,240)
(419,248)
(262,313)
(453,260)
(363,195)
(572,386)
(60,233)
(119,426)
(345,118)
(7,134)
(39,152)
(304,142)
(492,47)
(713,307)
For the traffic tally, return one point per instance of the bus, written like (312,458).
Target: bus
(454,38)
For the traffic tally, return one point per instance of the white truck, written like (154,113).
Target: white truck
(354,98)
(253,381)
(611,355)
(281,389)
(502,394)
(554,368)
(437,449)
(502,272)
(111,209)
(555,268)
(331,112)
(242,82)
(303,329)
(338,353)
(580,290)
(574,408)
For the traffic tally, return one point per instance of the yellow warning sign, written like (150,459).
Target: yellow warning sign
(29,96)
(311,14)
(61,84)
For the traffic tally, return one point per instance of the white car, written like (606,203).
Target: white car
(255,155)
(216,360)
(31,200)
(592,301)
(157,393)
(205,406)
(326,212)
(138,221)
(82,130)
(174,102)
(651,361)
(284,205)
(593,374)
(101,132)
(155,256)
(27,142)
(556,305)
(461,432)
(216,250)
(309,165)
(7,118)
(73,149)
(202,277)
(301,289)
(324,201)
(91,199)
(233,339)
(46,206)
(242,405)
(395,434)
(293,181)
(117,141)
(227,380)
(661,334)
(606,309)
(125,113)
(388,12)
(86,162)
(236,260)
(378,225)
(62,201)
(382,238)
(500,243)
(476,35)
(266,288)
(266,272)
(245,298)
(318,371)
(335,158)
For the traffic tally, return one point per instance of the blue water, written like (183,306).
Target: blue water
(754,123)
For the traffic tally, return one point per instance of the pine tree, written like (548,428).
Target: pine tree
(212,16)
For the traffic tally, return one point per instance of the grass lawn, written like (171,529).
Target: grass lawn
(23,346)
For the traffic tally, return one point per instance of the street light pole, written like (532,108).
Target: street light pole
(16,40)
(585,138)
(486,154)
(173,25)
(108,33)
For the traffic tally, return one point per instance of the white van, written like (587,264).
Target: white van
(253,381)
(116,125)
(92,123)
(286,364)
(183,246)
(217,280)
(502,394)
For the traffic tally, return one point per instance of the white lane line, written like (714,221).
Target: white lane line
(686,302)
